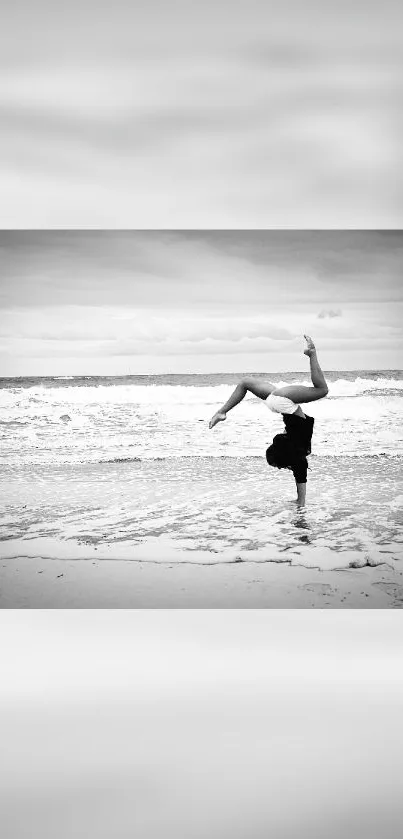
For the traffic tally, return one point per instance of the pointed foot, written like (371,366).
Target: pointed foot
(218,417)
(310,349)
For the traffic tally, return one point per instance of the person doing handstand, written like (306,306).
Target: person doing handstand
(290,449)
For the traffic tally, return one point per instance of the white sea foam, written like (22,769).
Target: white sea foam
(122,509)
(361,417)
(161,393)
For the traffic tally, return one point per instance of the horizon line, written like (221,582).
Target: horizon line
(191,373)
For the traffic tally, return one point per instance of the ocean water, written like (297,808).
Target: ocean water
(128,466)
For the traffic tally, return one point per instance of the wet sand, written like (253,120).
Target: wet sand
(98,582)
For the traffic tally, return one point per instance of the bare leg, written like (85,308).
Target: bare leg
(300,393)
(255,386)
(318,379)
(301,494)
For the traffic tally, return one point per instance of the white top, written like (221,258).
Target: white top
(280,404)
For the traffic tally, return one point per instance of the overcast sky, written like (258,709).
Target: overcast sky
(142,302)
(207,114)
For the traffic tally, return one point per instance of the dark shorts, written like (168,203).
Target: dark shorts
(300,471)
(290,449)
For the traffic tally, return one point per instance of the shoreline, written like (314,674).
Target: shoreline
(54,583)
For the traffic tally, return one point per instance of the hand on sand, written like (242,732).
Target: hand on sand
(311,346)
(218,417)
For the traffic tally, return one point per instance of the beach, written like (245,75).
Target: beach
(44,582)
(116,494)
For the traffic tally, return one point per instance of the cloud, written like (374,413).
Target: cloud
(165,116)
(215,270)
(109,295)
(330,313)
(203,346)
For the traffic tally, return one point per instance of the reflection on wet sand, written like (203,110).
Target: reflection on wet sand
(300,522)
